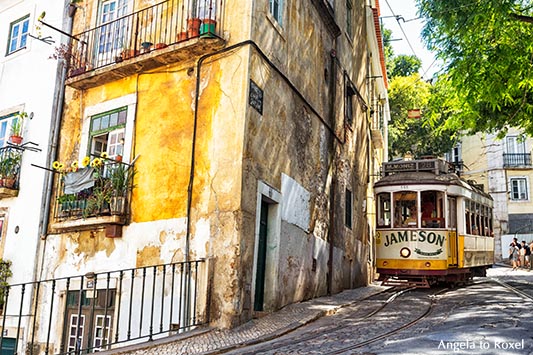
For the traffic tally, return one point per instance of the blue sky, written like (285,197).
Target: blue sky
(408,41)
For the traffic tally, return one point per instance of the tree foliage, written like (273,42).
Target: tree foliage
(487,47)
(405,65)
(426,135)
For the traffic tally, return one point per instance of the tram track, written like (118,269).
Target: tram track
(355,318)
(428,310)
(509,285)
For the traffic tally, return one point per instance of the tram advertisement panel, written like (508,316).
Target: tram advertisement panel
(420,244)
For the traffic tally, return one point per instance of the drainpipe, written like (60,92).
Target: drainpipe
(195,125)
(331,231)
(57,111)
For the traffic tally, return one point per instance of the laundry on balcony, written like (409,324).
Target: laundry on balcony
(78,181)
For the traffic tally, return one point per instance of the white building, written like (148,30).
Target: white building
(28,84)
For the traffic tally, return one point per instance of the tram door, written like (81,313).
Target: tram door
(452,236)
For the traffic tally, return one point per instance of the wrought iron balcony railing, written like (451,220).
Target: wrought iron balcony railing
(141,32)
(95,192)
(100,311)
(10,159)
(516,160)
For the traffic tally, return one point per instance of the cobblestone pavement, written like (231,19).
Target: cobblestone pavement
(273,326)
(255,331)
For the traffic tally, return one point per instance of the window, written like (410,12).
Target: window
(519,189)
(275,9)
(405,209)
(107,133)
(348,104)
(18,34)
(348,209)
(432,209)
(515,145)
(384,209)
(112,35)
(349,19)
(5,128)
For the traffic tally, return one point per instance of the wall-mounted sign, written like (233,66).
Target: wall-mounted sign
(414,113)
(256,97)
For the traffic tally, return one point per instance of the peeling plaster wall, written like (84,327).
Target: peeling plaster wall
(289,146)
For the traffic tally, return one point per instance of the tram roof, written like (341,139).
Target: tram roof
(424,172)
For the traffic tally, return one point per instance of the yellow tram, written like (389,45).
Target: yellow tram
(431,225)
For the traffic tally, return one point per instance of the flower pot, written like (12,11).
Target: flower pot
(207,29)
(9,182)
(182,36)
(146,46)
(118,205)
(15,139)
(160,45)
(129,53)
(193,27)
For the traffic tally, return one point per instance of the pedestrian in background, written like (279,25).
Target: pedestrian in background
(513,254)
(527,254)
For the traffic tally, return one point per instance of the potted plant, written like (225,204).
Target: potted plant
(10,166)
(17,125)
(121,178)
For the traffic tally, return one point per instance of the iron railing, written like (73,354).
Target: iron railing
(152,28)
(100,311)
(10,159)
(109,194)
(516,160)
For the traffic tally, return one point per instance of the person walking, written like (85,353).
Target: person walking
(513,255)
(527,254)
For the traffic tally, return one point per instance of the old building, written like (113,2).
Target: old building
(29,85)
(215,161)
(503,166)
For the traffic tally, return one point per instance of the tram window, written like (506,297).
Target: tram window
(405,210)
(432,209)
(467,217)
(452,212)
(384,210)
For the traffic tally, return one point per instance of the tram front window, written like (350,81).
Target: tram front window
(405,211)
(384,209)
(432,203)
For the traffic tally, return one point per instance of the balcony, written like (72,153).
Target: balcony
(10,158)
(162,34)
(517,160)
(94,197)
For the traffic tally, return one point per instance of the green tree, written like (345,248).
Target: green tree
(487,48)
(405,65)
(426,135)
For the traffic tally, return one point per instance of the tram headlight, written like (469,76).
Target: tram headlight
(405,252)
(428,264)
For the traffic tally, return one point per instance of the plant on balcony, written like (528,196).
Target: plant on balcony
(5,273)
(121,179)
(17,125)
(9,167)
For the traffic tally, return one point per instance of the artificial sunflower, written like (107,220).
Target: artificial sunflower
(55,165)
(85,162)
(96,162)
(104,155)
(74,165)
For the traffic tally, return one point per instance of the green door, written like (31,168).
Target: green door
(261,259)
(8,346)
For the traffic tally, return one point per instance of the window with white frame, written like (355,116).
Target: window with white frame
(5,128)
(515,145)
(107,133)
(276,7)
(18,34)
(519,189)
(112,35)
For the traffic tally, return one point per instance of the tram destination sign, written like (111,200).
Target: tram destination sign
(415,165)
